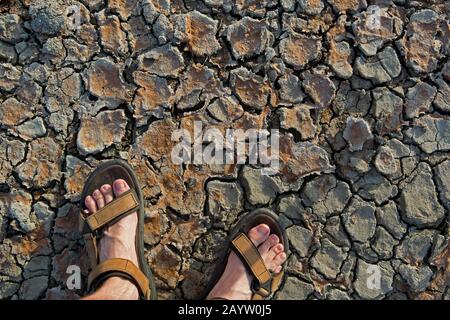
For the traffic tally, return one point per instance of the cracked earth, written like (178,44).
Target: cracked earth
(363,115)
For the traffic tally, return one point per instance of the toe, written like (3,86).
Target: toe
(280,259)
(269,243)
(99,199)
(278,248)
(107,193)
(259,234)
(120,186)
(90,204)
(277,269)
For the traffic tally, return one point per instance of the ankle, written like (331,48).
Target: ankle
(117,288)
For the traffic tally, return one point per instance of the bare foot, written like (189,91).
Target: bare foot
(117,241)
(235,283)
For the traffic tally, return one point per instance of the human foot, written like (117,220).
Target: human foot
(117,241)
(235,282)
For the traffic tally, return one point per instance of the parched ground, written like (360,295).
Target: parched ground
(363,114)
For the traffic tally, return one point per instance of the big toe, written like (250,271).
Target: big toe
(120,186)
(259,234)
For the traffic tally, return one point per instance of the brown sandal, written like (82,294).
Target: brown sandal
(92,227)
(264,282)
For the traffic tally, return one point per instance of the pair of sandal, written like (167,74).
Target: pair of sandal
(91,226)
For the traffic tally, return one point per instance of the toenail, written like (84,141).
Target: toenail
(263,229)
(96,193)
(280,247)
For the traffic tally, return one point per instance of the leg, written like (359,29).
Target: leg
(118,241)
(235,283)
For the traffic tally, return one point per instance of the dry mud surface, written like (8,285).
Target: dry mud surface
(363,114)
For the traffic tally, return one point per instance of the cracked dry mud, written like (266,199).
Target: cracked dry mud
(363,114)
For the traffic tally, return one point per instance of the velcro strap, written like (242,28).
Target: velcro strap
(91,247)
(125,203)
(121,267)
(245,248)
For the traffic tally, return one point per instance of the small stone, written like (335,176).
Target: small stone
(103,130)
(226,109)
(300,238)
(76,173)
(417,278)
(385,162)
(299,50)
(320,88)
(291,206)
(298,119)
(418,200)
(388,110)
(113,38)
(311,7)
(326,195)
(47,18)
(302,159)
(165,264)
(72,86)
(58,293)
(152,98)
(199,32)
(421,43)
(366,286)
(251,89)
(357,132)
(328,259)
(388,217)
(260,189)
(374,27)
(290,90)
(32,129)
(380,69)
(336,294)
(32,289)
(442,99)
(419,99)
(248,37)
(67,222)
(37,266)
(340,59)
(10,269)
(165,61)
(104,80)
(295,289)
(11,29)
(442,172)
(29,91)
(9,76)
(345,5)
(374,186)
(42,165)
(7,52)
(8,289)
(44,216)
(207,248)
(415,247)
(431,133)
(359,219)
(225,202)
(13,112)
(335,229)
(60,263)
(124,8)
(384,244)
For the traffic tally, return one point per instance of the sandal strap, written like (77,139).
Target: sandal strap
(126,203)
(122,268)
(249,254)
